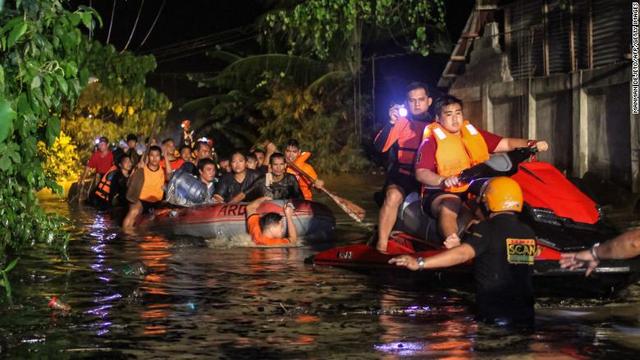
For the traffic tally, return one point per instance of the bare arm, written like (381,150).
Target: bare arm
(428,177)
(293,233)
(624,246)
(508,144)
(451,257)
(167,165)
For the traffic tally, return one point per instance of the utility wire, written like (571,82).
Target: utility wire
(215,37)
(113,12)
(135,24)
(199,51)
(154,23)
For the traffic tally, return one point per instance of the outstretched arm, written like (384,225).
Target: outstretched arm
(624,246)
(451,257)
(508,144)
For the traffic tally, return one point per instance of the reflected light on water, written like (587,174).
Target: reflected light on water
(103,303)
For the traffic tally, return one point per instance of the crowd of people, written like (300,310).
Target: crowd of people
(142,177)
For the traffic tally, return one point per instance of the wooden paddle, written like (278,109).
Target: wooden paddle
(354,211)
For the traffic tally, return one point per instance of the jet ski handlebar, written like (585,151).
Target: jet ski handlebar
(501,164)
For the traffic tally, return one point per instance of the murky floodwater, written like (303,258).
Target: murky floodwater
(266,303)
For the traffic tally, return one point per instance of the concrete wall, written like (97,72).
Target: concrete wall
(553,123)
(609,129)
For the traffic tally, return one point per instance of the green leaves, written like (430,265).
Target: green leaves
(7,115)
(16,33)
(52,130)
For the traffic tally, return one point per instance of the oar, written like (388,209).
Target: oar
(354,211)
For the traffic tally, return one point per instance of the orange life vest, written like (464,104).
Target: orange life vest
(455,153)
(152,188)
(304,183)
(104,186)
(408,134)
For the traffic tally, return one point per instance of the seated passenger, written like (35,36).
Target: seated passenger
(252,161)
(451,145)
(101,161)
(299,159)
(225,166)
(276,184)
(112,188)
(202,150)
(132,151)
(146,187)
(236,182)
(186,154)
(270,228)
(169,148)
(184,189)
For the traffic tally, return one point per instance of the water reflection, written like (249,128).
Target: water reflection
(101,233)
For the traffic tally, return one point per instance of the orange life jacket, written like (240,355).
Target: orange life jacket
(104,186)
(455,153)
(152,188)
(303,182)
(408,135)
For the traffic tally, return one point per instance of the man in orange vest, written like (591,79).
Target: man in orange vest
(146,187)
(452,144)
(400,138)
(294,156)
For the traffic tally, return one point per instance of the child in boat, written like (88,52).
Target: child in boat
(270,228)
(504,249)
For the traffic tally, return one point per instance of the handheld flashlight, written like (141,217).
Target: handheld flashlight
(403,111)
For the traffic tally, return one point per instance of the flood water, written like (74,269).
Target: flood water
(197,301)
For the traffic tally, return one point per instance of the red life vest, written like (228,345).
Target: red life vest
(408,135)
(104,186)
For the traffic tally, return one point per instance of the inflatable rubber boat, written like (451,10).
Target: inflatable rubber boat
(314,221)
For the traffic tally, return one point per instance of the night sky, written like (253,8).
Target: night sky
(185,28)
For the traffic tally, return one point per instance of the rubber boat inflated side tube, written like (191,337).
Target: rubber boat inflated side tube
(314,221)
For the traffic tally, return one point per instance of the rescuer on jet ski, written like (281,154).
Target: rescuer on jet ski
(451,145)
(400,138)
(503,249)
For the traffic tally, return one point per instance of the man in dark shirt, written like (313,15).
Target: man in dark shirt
(504,250)
(239,180)
(276,184)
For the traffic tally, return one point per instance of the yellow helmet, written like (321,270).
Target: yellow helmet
(502,194)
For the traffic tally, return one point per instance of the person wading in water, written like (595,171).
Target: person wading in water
(503,249)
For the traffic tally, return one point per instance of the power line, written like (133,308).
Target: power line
(135,24)
(154,23)
(200,50)
(215,37)
(113,11)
